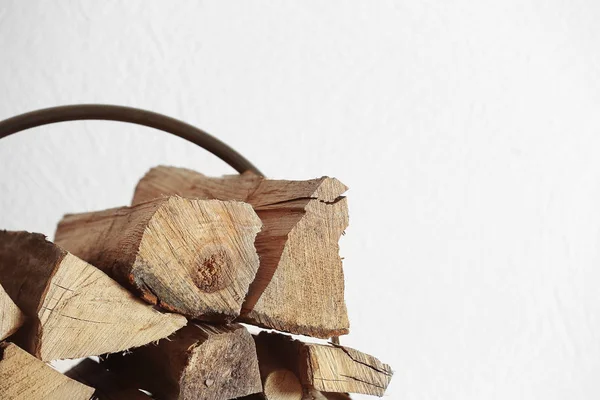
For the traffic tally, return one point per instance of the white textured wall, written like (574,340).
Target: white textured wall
(467,131)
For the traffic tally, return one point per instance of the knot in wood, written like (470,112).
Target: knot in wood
(214,271)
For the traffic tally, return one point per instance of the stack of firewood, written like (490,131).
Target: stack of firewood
(158,290)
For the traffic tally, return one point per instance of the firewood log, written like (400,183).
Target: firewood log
(11,318)
(324,368)
(74,310)
(299,287)
(200,362)
(23,376)
(108,385)
(193,257)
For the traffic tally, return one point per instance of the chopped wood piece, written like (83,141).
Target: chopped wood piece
(108,385)
(11,318)
(326,368)
(74,309)
(299,287)
(23,376)
(194,257)
(201,361)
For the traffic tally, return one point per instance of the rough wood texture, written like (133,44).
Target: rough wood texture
(342,369)
(325,368)
(193,257)
(23,376)
(74,310)
(299,287)
(108,385)
(201,361)
(11,318)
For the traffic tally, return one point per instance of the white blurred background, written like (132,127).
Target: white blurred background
(468,132)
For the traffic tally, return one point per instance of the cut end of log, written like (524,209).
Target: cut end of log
(299,286)
(75,309)
(193,257)
(210,253)
(282,384)
(11,317)
(201,361)
(23,376)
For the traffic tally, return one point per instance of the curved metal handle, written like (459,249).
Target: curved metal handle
(131,115)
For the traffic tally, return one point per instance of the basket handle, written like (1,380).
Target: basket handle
(137,116)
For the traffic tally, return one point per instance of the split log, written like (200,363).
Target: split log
(193,257)
(201,361)
(299,287)
(74,309)
(23,376)
(11,318)
(325,368)
(108,385)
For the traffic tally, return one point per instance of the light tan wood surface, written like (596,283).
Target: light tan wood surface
(74,310)
(193,257)
(299,287)
(24,377)
(11,317)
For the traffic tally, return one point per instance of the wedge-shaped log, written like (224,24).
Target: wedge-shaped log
(194,257)
(11,318)
(299,287)
(74,310)
(325,368)
(23,376)
(108,385)
(201,361)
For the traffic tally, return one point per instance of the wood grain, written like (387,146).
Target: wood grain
(74,310)
(11,318)
(193,257)
(299,287)
(23,376)
(324,368)
(201,361)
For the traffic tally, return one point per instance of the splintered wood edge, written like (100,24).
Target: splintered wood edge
(335,368)
(11,317)
(284,203)
(257,190)
(264,307)
(23,376)
(323,367)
